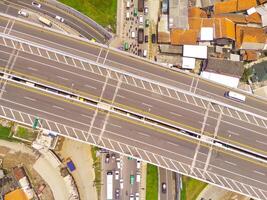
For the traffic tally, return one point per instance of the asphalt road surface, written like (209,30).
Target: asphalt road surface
(230,128)
(144,138)
(167,177)
(153,145)
(11,7)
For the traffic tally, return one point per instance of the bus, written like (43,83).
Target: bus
(235,96)
(45,21)
(109,186)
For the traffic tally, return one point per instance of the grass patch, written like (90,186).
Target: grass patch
(97,169)
(5,133)
(25,133)
(191,188)
(103,12)
(152,182)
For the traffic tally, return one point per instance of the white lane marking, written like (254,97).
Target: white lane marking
(29,98)
(264,143)
(255,171)
(86,116)
(120,96)
(144,134)
(230,163)
(63,78)
(173,113)
(233,133)
(172,143)
(202,123)
(114,125)
(33,69)
(58,107)
(147,105)
(89,86)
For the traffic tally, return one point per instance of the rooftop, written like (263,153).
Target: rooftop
(223,27)
(16,195)
(224,67)
(225,7)
(250,37)
(178,14)
(181,37)
(232,6)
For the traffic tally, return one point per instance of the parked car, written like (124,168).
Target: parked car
(131,197)
(141,19)
(145,53)
(146,38)
(153,38)
(146,10)
(163,187)
(35,4)
(61,19)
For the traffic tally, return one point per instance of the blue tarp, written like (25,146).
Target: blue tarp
(71,166)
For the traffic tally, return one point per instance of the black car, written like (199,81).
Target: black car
(153,38)
(117,193)
(146,38)
(163,187)
(139,53)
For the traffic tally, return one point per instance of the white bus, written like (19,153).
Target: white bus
(109,186)
(45,21)
(235,96)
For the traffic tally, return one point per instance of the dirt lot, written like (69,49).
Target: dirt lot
(16,156)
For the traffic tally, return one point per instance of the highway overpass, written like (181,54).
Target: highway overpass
(99,95)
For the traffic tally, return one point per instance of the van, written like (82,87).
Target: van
(23,13)
(127,15)
(138,177)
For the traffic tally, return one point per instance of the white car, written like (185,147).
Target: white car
(118,161)
(141,19)
(121,183)
(136,196)
(138,164)
(23,13)
(35,4)
(133,34)
(146,10)
(138,177)
(145,53)
(117,175)
(61,19)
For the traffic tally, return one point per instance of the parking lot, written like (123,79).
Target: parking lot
(136,28)
(121,177)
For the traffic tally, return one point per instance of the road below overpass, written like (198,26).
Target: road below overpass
(158,146)
(11,7)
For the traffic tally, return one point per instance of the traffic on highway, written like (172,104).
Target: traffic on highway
(117,101)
